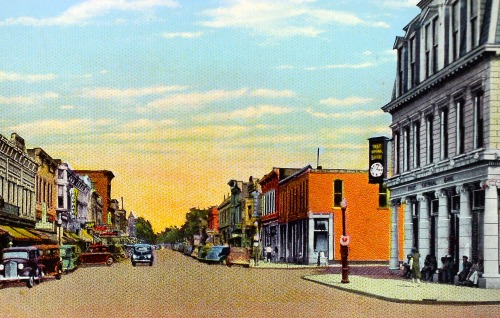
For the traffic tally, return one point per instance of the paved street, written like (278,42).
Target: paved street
(179,286)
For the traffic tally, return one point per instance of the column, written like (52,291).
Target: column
(312,257)
(443,228)
(394,260)
(491,235)
(465,230)
(408,226)
(331,237)
(423,226)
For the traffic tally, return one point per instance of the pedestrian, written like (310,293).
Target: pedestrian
(466,266)
(269,252)
(415,266)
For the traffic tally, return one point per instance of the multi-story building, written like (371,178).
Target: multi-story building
(225,219)
(17,192)
(445,130)
(310,216)
(269,206)
(101,180)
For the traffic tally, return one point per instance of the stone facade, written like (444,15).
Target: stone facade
(445,124)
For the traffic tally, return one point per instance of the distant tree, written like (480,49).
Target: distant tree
(170,235)
(144,231)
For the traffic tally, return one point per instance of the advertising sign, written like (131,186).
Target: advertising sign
(377,169)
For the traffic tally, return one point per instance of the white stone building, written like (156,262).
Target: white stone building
(446,133)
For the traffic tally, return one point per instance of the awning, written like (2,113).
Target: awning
(20,234)
(46,237)
(86,237)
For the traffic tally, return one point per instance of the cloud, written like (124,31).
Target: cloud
(148,124)
(250,112)
(273,93)
(279,18)
(109,93)
(27,100)
(184,35)
(348,101)
(28,78)
(327,67)
(350,115)
(399,3)
(61,127)
(84,12)
(193,99)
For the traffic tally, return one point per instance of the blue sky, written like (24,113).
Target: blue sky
(178,97)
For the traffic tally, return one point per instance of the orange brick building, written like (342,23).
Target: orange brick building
(310,216)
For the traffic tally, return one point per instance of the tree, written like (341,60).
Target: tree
(144,231)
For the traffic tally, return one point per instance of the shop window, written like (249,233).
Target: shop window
(383,196)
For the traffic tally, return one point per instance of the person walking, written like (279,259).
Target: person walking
(415,266)
(269,251)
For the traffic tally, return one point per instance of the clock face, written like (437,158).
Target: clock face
(376,169)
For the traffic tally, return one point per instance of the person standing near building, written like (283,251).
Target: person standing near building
(269,252)
(415,266)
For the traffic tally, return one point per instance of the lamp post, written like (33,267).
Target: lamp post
(344,249)
(59,227)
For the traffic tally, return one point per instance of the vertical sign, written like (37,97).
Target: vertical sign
(377,161)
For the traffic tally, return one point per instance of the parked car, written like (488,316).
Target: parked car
(238,256)
(97,254)
(69,255)
(21,264)
(217,254)
(49,259)
(142,253)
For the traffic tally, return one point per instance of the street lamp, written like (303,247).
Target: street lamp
(344,249)
(59,225)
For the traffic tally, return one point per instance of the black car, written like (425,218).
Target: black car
(142,253)
(21,264)
(217,254)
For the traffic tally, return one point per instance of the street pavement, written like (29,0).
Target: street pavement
(375,280)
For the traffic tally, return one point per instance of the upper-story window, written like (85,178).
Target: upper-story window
(397,145)
(473,28)
(435,42)
(478,120)
(444,133)
(400,72)
(60,174)
(429,138)
(338,192)
(413,62)
(416,144)
(382,196)
(460,127)
(455,30)
(406,149)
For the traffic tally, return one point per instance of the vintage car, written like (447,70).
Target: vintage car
(142,253)
(217,254)
(49,259)
(238,256)
(96,254)
(69,255)
(21,264)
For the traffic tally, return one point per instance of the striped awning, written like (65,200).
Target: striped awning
(20,234)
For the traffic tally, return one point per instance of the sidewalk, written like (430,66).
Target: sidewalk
(374,280)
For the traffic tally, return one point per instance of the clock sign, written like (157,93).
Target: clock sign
(376,170)
(377,159)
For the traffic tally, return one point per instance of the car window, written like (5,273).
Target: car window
(15,254)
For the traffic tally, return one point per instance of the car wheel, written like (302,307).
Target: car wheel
(133,263)
(109,261)
(30,282)
(39,276)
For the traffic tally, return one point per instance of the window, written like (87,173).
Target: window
(60,174)
(429,134)
(400,72)
(460,127)
(338,192)
(434,45)
(428,44)
(416,144)
(413,59)
(478,121)
(396,152)
(60,196)
(473,23)
(444,133)
(382,196)
(406,149)
(455,27)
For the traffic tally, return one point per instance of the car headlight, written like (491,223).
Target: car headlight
(134,256)
(20,266)
(1,267)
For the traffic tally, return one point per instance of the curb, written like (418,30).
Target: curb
(425,301)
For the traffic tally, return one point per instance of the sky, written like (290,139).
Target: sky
(178,97)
